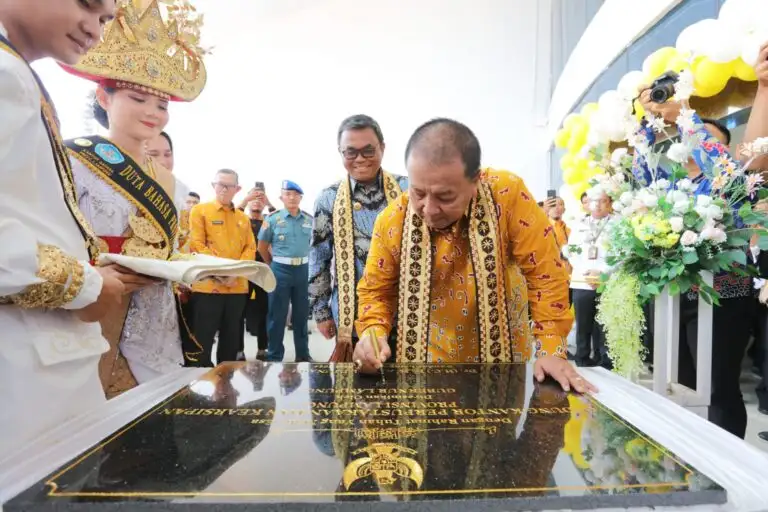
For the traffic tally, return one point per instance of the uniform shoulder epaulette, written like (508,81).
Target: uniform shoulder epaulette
(308,214)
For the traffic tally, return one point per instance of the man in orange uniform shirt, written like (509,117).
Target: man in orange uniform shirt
(219,229)
(459,258)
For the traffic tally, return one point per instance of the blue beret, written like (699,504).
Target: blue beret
(292,185)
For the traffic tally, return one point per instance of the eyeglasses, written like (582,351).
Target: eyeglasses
(224,186)
(368,152)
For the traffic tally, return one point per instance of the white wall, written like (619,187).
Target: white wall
(283,74)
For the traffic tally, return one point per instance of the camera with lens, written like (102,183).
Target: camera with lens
(663,87)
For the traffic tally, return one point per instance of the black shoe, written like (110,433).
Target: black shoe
(586,363)
(763,410)
(261,355)
(305,360)
(607,364)
(763,435)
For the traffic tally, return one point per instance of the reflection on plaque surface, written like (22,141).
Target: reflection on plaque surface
(261,436)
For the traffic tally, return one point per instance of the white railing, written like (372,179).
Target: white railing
(666,347)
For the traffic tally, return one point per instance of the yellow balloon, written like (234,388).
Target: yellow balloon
(580,188)
(656,63)
(562,137)
(709,78)
(591,172)
(744,71)
(588,110)
(639,110)
(571,121)
(567,161)
(578,137)
(568,176)
(678,63)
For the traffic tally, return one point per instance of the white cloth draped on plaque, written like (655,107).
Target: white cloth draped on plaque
(196,267)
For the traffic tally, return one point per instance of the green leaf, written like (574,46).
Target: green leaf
(745,210)
(674,288)
(762,242)
(737,241)
(691,257)
(736,255)
(655,272)
(762,193)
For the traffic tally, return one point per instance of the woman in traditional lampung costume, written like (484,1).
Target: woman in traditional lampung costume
(143,62)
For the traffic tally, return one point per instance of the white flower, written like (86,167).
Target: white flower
(657,123)
(713,233)
(678,152)
(685,121)
(660,184)
(648,199)
(760,146)
(617,156)
(686,185)
(626,198)
(688,238)
(703,201)
(684,87)
(676,223)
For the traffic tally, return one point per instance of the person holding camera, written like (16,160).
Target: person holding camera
(730,333)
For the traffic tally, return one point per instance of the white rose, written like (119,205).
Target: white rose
(626,198)
(685,185)
(714,212)
(649,199)
(719,236)
(703,201)
(688,238)
(678,152)
(617,156)
(676,223)
(661,184)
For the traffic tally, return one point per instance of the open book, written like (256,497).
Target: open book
(191,268)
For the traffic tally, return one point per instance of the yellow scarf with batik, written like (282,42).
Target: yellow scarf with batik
(344,250)
(502,313)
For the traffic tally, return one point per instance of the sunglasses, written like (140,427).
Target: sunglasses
(367,152)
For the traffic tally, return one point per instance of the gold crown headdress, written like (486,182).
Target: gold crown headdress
(140,50)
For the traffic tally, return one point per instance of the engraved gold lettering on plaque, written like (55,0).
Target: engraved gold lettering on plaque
(385,462)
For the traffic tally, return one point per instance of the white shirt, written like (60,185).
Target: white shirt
(589,232)
(180,193)
(48,358)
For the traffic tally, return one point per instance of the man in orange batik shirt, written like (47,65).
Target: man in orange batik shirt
(459,258)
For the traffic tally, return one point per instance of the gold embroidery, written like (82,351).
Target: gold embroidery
(344,251)
(490,278)
(143,229)
(63,278)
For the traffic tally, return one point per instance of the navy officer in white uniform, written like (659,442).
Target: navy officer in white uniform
(288,233)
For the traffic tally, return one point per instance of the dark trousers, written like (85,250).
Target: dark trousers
(589,333)
(222,313)
(256,315)
(730,336)
(292,287)
(760,352)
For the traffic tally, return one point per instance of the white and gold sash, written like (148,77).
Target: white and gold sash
(344,251)
(491,277)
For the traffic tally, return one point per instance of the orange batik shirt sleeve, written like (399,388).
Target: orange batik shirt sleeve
(377,290)
(531,244)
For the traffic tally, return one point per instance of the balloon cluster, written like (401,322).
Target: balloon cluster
(712,50)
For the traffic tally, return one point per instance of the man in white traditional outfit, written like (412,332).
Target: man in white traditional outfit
(48,289)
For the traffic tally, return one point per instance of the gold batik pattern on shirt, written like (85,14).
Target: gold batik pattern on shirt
(533,272)
(344,250)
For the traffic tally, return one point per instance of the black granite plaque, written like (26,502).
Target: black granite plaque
(261,436)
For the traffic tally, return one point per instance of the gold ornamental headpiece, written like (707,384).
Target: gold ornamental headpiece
(143,50)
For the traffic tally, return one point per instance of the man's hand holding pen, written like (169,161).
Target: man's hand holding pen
(371,352)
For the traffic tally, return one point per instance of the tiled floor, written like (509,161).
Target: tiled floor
(321,349)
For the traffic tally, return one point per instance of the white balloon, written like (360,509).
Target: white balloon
(608,99)
(750,46)
(723,45)
(629,83)
(746,16)
(695,37)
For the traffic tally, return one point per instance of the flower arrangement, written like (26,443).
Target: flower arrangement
(668,231)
